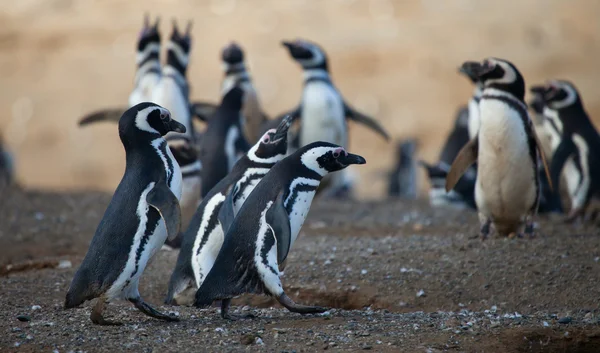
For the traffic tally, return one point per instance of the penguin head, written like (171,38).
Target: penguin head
(324,157)
(496,73)
(232,54)
(147,118)
(307,54)
(149,34)
(273,144)
(557,94)
(537,103)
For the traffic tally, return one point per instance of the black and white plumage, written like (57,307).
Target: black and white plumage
(463,194)
(506,150)
(204,237)
(575,143)
(223,142)
(6,167)
(267,225)
(403,181)
(473,104)
(143,212)
(322,110)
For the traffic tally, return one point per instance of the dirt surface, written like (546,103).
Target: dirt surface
(398,277)
(395,60)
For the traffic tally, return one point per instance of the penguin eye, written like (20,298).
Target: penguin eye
(266,139)
(336,154)
(164,116)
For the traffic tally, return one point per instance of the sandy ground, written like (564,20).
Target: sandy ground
(398,277)
(396,60)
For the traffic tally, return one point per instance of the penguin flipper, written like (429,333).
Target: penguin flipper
(564,150)
(166,203)
(279,220)
(543,158)
(203,111)
(226,214)
(465,158)
(369,122)
(112,114)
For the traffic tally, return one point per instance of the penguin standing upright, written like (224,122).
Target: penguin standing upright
(143,212)
(266,227)
(223,142)
(506,150)
(204,237)
(147,74)
(323,110)
(403,182)
(578,151)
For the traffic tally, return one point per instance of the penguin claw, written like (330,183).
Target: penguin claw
(299,308)
(150,311)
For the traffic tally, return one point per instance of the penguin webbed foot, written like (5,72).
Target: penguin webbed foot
(96,315)
(145,308)
(225,304)
(484,230)
(289,304)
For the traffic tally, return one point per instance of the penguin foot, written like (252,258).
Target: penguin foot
(96,315)
(484,231)
(144,307)
(574,215)
(225,303)
(299,308)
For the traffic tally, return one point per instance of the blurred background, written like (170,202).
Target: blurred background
(395,60)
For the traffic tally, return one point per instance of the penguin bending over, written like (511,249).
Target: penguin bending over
(463,194)
(266,227)
(147,74)
(204,237)
(223,142)
(322,110)
(506,149)
(578,149)
(143,212)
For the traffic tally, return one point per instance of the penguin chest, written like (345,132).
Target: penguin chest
(506,177)
(297,204)
(142,92)
(322,115)
(473,124)
(208,240)
(246,185)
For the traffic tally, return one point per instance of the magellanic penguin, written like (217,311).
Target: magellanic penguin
(506,150)
(579,140)
(147,74)
(204,237)
(473,104)
(322,110)
(143,212)
(266,227)
(463,194)
(403,181)
(223,142)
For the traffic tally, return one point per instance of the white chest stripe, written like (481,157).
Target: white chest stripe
(156,144)
(203,259)
(269,272)
(298,181)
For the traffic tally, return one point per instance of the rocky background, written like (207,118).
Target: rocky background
(396,60)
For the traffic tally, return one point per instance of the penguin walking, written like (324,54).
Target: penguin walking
(223,142)
(204,237)
(506,149)
(266,227)
(463,194)
(147,74)
(403,182)
(322,110)
(576,143)
(143,212)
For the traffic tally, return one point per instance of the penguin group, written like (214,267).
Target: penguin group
(248,180)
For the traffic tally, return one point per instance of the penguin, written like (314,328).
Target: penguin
(463,194)
(266,227)
(507,151)
(204,237)
(143,212)
(6,167)
(322,110)
(473,104)
(403,182)
(147,74)
(223,142)
(579,140)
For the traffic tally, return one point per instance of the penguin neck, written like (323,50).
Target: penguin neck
(316,75)
(177,58)
(233,79)
(148,62)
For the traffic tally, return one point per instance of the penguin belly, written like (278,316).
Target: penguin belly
(208,240)
(322,115)
(143,91)
(505,189)
(473,125)
(298,204)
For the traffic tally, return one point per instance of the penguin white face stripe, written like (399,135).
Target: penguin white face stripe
(141,120)
(570,99)
(552,115)
(210,233)
(239,67)
(309,159)
(181,56)
(265,259)
(581,194)
(317,58)
(151,48)
(510,75)
(254,158)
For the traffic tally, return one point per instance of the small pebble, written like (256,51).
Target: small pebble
(565,320)
(36,307)
(367,347)
(545,324)
(64,264)
(23,318)
(421,293)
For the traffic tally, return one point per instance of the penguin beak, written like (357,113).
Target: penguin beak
(350,158)
(282,129)
(474,70)
(289,45)
(539,90)
(175,126)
